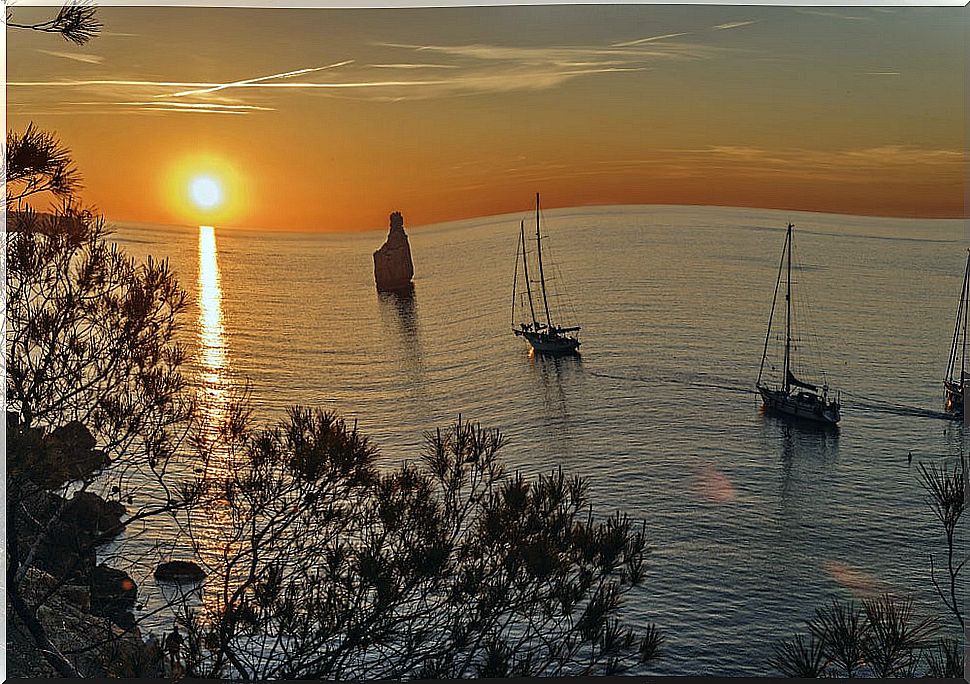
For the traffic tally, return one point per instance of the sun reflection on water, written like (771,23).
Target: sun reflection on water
(213,355)
(214,398)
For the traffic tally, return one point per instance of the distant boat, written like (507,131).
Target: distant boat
(955,383)
(545,337)
(792,396)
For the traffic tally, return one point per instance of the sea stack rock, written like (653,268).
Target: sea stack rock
(393,268)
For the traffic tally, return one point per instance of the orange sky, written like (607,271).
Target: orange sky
(453,113)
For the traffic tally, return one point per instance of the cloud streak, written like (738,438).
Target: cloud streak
(863,165)
(207,107)
(74,56)
(457,70)
(259,79)
(413,66)
(733,25)
(651,39)
(847,165)
(555,55)
(832,15)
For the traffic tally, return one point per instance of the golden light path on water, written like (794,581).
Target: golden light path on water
(213,355)
(213,387)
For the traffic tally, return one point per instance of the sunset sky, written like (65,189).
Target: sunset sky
(330,119)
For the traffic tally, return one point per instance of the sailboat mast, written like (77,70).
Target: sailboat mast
(956,347)
(525,268)
(542,277)
(966,312)
(788,318)
(771,316)
(515,282)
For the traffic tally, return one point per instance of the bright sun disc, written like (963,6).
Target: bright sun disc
(204,188)
(205,192)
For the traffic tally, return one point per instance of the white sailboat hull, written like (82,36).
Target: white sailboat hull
(804,406)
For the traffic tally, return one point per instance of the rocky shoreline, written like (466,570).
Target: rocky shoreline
(95,645)
(85,607)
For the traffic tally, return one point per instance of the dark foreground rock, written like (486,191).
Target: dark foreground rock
(90,517)
(53,459)
(393,268)
(57,546)
(113,595)
(69,455)
(68,530)
(179,571)
(114,652)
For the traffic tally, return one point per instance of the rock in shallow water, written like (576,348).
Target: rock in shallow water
(179,571)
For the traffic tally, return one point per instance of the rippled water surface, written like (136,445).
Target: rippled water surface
(753,523)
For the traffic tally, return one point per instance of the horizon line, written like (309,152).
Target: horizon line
(559,208)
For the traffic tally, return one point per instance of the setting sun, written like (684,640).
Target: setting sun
(205,188)
(206,192)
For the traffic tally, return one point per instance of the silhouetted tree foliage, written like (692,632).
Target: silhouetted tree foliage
(91,333)
(326,566)
(946,491)
(91,361)
(36,162)
(800,657)
(946,659)
(77,22)
(883,637)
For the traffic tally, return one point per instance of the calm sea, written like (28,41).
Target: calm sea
(753,523)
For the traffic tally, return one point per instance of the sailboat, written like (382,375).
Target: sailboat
(955,383)
(792,396)
(543,336)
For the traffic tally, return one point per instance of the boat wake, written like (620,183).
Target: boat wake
(684,380)
(866,404)
(858,403)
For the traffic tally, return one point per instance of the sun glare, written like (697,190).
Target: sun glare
(206,192)
(205,188)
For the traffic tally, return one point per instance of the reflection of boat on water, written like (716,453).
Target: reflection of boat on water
(553,371)
(555,367)
(544,337)
(793,396)
(954,385)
